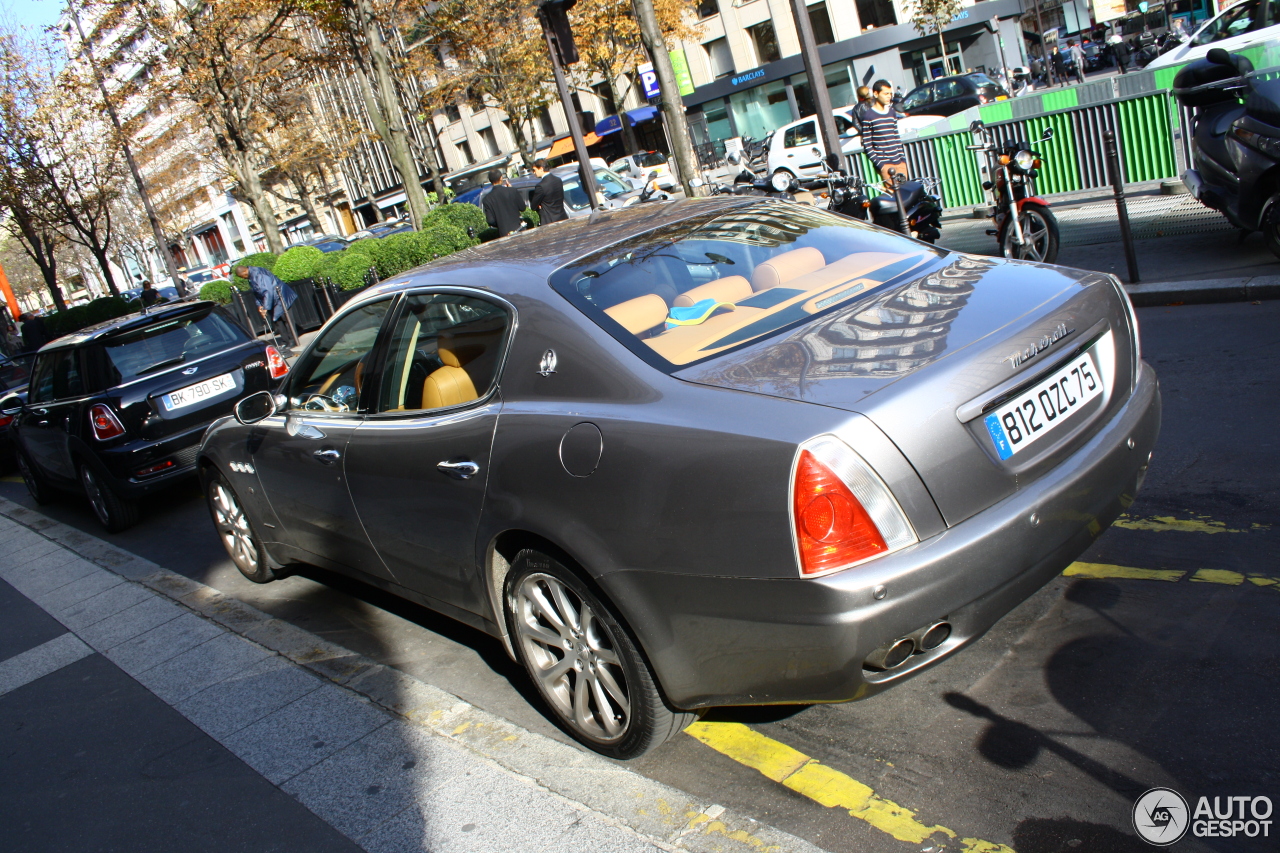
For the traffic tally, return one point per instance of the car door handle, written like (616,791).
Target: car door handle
(461,470)
(327,456)
(41,412)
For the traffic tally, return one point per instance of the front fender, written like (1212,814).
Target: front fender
(1031,199)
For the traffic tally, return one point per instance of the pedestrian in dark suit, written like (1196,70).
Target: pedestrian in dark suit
(548,195)
(34,335)
(502,206)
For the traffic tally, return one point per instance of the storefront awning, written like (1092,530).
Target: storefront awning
(613,125)
(564,146)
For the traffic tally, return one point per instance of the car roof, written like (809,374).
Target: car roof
(541,251)
(127,323)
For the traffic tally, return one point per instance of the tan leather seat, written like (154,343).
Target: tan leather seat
(451,385)
(731,288)
(641,314)
(782,268)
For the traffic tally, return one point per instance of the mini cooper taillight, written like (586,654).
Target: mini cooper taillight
(276,363)
(104,422)
(842,513)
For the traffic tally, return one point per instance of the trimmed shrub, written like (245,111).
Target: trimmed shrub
(488,234)
(396,253)
(266,260)
(368,245)
(83,316)
(532,217)
(351,270)
(462,216)
(219,290)
(297,263)
(437,239)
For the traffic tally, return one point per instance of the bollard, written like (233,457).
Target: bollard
(288,319)
(1122,209)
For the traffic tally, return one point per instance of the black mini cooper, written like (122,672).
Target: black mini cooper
(117,411)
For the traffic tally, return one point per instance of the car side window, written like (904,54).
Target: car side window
(845,128)
(444,351)
(1233,22)
(947,89)
(918,98)
(331,377)
(57,377)
(41,388)
(801,134)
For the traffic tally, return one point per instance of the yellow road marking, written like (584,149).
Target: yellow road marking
(12,478)
(1102,570)
(824,785)
(1221,576)
(1195,524)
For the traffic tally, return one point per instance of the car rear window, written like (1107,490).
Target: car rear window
(702,287)
(653,158)
(167,343)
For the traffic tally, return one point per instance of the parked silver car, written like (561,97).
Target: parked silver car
(713,452)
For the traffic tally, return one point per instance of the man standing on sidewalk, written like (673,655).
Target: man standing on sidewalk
(1077,59)
(548,195)
(880,137)
(274,298)
(502,205)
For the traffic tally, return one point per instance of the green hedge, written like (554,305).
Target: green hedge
(266,260)
(351,270)
(219,290)
(462,216)
(297,263)
(83,316)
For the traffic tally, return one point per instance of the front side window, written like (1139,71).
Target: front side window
(444,351)
(701,287)
(41,388)
(56,377)
(801,134)
(331,376)
(919,98)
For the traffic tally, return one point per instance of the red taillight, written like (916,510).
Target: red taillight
(276,363)
(832,527)
(152,469)
(105,423)
(5,420)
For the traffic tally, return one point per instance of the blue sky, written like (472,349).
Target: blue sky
(31,13)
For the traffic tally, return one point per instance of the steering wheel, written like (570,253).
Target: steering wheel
(322,403)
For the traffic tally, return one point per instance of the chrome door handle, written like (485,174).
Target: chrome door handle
(40,412)
(460,470)
(328,457)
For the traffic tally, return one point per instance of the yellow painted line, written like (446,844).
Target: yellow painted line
(1102,570)
(12,478)
(1221,576)
(1196,524)
(824,785)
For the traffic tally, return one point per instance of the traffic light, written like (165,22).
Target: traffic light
(556,15)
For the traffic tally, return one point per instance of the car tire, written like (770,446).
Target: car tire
(1271,226)
(114,512)
(242,542)
(41,492)
(584,663)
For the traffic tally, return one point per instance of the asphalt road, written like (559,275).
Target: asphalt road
(1156,664)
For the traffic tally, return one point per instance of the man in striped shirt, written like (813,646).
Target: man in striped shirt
(880,139)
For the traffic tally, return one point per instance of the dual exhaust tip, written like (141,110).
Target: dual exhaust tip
(896,653)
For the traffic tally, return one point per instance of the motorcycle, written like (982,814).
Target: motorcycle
(649,193)
(748,182)
(1236,141)
(1026,228)
(844,194)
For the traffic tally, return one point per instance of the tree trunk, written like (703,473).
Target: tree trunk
(307,201)
(385,112)
(517,127)
(41,250)
(251,186)
(629,141)
(672,103)
(104,264)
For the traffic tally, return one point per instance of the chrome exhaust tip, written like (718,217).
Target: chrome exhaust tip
(890,655)
(930,638)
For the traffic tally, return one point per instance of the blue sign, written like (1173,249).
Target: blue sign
(649,81)
(748,77)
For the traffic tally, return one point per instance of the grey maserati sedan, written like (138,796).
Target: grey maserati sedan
(710,452)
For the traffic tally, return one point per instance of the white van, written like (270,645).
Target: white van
(796,147)
(1243,25)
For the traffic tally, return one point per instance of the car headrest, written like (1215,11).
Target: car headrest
(782,268)
(731,288)
(458,350)
(640,314)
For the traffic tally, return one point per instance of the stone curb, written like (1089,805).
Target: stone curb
(1203,291)
(663,815)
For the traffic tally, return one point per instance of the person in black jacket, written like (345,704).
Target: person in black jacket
(548,195)
(502,206)
(34,335)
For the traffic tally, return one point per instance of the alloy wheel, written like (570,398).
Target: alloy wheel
(1035,237)
(93,490)
(233,527)
(573,655)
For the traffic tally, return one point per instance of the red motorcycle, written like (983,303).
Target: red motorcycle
(1026,228)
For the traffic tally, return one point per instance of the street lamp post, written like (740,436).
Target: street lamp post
(817,83)
(554,17)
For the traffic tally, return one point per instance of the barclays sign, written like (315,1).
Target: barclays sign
(748,77)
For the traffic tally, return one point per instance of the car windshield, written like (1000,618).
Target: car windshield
(702,287)
(1230,23)
(652,158)
(168,342)
(610,184)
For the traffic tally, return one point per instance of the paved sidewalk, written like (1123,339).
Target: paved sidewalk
(140,710)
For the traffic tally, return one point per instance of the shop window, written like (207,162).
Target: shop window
(719,57)
(874,14)
(766,42)
(820,20)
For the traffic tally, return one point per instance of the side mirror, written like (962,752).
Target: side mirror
(11,405)
(1048,134)
(734,157)
(1218,56)
(255,407)
(976,127)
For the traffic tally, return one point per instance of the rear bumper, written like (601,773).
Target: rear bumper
(735,641)
(120,464)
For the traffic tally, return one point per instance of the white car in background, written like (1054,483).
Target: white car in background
(795,147)
(638,167)
(1242,26)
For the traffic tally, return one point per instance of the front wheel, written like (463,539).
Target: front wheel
(1039,235)
(114,512)
(237,535)
(584,663)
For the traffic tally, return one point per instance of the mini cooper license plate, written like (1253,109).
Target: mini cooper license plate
(199,392)
(1035,412)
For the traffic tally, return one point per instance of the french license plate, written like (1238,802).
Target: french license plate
(199,392)
(1035,413)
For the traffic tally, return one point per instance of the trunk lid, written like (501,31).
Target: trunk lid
(932,360)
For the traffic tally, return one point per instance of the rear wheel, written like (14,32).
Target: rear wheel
(1039,235)
(1271,227)
(584,662)
(114,512)
(236,533)
(41,492)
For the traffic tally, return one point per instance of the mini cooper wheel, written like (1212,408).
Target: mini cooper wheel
(114,512)
(584,663)
(41,492)
(237,535)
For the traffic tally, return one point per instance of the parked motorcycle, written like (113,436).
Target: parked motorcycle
(913,208)
(842,193)
(650,192)
(1025,226)
(1235,146)
(750,182)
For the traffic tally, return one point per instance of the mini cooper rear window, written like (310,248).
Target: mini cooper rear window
(168,343)
(702,287)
